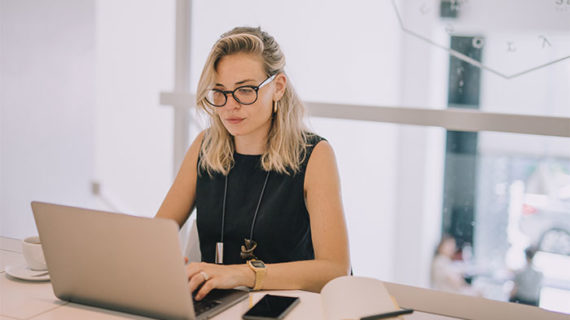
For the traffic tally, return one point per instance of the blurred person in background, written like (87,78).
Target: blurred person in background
(527,282)
(445,274)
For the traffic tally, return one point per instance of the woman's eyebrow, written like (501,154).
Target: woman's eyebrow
(237,83)
(244,81)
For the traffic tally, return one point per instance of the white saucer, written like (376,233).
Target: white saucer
(22,272)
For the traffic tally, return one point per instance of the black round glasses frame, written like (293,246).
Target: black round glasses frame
(233,93)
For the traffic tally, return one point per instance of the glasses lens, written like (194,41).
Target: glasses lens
(246,95)
(216,97)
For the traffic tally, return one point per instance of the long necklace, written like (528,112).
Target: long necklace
(249,244)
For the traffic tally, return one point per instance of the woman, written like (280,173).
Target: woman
(267,192)
(445,275)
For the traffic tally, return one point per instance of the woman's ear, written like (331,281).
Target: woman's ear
(280,85)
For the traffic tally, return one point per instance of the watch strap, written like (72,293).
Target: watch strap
(260,273)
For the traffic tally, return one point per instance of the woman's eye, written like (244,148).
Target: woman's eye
(217,97)
(246,91)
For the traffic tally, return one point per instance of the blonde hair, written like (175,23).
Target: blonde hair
(285,146)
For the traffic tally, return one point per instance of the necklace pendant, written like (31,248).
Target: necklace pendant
(219,253)
(247,249)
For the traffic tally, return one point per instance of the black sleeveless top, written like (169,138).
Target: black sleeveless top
(282,229)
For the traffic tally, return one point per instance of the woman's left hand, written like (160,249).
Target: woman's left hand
(212,276)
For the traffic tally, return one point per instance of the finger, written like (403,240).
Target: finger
(195,282)
(206,288)
(193,268)
(186,260)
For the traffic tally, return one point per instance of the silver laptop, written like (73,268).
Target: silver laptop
(121,262)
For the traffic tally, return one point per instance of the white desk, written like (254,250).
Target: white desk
(23,300)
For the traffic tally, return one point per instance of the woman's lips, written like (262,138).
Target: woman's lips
(234,120)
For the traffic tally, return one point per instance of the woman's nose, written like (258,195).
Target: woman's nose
(232,102)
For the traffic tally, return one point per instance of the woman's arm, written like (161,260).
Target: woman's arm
(329,235)
(179,200)
(328,229)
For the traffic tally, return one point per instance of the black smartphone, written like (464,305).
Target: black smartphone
(271,307)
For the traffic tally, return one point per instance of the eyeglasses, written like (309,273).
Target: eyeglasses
(244,95)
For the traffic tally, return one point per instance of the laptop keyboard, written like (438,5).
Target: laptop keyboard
(212,300)
(205,305)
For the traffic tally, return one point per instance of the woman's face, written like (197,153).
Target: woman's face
(243,69)
(448,247)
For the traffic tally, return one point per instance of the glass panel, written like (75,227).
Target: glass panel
(523,200)
(495,193)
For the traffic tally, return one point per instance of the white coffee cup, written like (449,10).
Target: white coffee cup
(33,253)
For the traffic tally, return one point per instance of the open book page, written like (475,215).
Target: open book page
(352,297)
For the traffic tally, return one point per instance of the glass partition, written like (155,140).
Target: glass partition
(405,188)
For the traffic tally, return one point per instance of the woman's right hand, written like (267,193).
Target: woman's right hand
(208,276)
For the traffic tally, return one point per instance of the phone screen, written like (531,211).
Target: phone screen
(271,307)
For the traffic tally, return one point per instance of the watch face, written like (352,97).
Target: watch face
(257,264)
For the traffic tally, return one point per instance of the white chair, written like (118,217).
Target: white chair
(190,243)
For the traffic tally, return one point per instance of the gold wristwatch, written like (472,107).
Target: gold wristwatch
(259,268)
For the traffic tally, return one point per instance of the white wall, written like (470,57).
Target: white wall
(336,51)
(47,106)
(80,82)
(135,62)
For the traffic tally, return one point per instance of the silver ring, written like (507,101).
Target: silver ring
(205,275)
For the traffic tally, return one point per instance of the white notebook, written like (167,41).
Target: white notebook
(351,297)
